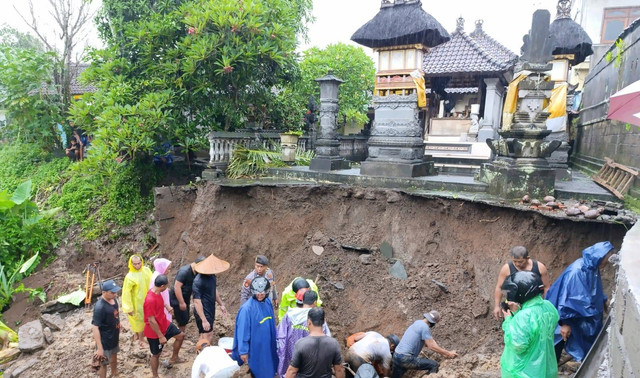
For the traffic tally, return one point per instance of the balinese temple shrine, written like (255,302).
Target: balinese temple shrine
(466,78)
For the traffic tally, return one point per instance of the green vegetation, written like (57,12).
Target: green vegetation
(248,162)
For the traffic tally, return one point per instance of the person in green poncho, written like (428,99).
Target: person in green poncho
(528,329)
(288,298)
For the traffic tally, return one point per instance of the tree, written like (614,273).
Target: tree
(25,74)
(349,63)
(202,64)
(71,18)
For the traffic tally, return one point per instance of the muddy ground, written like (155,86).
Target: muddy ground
(457,243)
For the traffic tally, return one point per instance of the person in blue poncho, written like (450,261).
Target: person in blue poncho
(254,341)
(578,296)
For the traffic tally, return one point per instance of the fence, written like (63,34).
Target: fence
(222,144)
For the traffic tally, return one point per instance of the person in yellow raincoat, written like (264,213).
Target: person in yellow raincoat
(134,290)
(288,299)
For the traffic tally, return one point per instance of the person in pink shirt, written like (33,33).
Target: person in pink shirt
(162,266)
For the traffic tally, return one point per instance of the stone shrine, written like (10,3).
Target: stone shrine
(520,166)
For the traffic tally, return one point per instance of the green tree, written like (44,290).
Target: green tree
(32,111)
(349,63)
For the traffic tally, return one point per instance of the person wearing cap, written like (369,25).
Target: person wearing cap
(106,329)
(134,291)
(157,328)
(578,296)
(529,322)
(205,294)
(288,298)
(521,262)
(317,354)
(406,356)
(260,269)
(212,361)
(254,339)
(371,348)
(293,327)
(180,293)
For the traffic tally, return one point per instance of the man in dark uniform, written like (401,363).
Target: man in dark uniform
(521,263)
(205,295)
(180,293)
(261,269)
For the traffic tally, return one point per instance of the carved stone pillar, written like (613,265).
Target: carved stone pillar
(327,145)
(492,110)
(396,144)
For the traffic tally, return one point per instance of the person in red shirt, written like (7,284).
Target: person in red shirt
(157,328)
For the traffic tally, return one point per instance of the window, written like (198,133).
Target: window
(615,21)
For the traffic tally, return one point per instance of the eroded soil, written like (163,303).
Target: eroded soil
(459,244)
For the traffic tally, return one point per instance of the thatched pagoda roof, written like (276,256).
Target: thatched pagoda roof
(570,38)
(402,23)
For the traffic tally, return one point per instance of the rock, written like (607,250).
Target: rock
(526,199)
(358,195)
(17,370)
(366,259)
(398,271)
(386,250)
(584,208)
(553,205)
(591,214)
(393,197)
(572,212)
(442,286)
(53,321)
(48,335)
(549,199)
(535,202)
(338,285)
(30,337)
(370,196)
(545,208)
(317,249)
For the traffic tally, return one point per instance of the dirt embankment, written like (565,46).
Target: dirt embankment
(459,244)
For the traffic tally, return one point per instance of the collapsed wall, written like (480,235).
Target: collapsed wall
(452,251)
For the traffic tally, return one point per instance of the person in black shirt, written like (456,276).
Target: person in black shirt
(180,293)
(106,328)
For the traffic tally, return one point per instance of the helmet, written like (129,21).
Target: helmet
(260,285)
(299,283)
(522,286)
(393,339)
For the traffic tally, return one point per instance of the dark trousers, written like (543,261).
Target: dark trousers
(403,362)
(559,347)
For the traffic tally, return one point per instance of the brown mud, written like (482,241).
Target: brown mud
(457,243)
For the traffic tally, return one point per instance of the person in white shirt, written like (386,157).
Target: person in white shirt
(212,362)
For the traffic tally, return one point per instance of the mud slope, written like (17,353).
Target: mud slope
(458,243)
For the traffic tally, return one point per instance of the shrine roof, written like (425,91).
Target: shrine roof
(570,38)
(468,53)
(401,24)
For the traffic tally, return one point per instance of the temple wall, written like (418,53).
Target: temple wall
(624,339)
(595,136)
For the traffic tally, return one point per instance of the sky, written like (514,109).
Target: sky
(336,20)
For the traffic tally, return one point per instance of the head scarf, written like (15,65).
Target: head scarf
(161,265)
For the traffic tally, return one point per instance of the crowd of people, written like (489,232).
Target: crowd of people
(540,321)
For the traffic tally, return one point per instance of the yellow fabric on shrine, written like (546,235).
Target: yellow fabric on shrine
(134,290)
(422,93)
(558,102)
(511,100)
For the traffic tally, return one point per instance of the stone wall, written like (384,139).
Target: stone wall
(596,137)
(624,334)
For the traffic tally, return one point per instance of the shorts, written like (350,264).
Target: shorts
(181,317)
(108,354)
(154,344)
(199,322)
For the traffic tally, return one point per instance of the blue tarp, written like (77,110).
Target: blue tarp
(578,296)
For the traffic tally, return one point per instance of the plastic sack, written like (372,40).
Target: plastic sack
(528,341)
(75,298)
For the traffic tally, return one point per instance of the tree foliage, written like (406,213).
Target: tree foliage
(32,109)
(349,63)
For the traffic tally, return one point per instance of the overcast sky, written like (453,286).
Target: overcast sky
(336,20)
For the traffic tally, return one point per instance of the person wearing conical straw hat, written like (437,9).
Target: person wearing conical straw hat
(205,295)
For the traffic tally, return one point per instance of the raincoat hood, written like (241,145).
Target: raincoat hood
(592,256)
(161,265)
(131,268)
